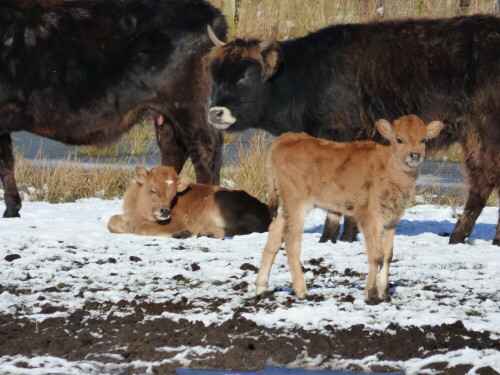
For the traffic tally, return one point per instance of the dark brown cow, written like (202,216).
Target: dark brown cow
(84,72)
(160,203)
(337,82)
(366,180)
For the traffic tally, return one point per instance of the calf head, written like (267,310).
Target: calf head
(158,189)
(239,70)
(408,136)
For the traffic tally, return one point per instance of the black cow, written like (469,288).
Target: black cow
(337,82)
(84,72)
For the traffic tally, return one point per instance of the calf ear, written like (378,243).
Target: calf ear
(182,184)
(141,175)
(433,129)
(384,127)
(272,60)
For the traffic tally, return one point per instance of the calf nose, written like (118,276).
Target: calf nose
(165,212)
(415,156)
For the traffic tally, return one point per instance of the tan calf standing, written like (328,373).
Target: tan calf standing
(371,182)
(160,203)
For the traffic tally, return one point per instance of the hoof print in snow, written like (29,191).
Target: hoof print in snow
(135,259)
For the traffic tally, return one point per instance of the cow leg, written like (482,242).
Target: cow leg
(12,198)
(350,229)
(383,277)
(273,244)
(331,229)
(496,240)
(294,226)
(479,192)
(173,152)
(207,158)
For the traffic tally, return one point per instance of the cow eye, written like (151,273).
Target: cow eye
(424,141)
(399,140)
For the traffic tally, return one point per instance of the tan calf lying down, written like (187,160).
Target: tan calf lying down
(160,203)
(366,180)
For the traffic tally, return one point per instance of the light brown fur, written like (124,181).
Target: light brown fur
(161,203)
(371,182)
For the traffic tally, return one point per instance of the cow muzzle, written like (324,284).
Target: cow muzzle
(220,117)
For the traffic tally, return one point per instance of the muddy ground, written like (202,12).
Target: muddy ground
(237,344)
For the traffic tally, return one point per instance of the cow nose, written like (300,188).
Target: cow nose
(415,156)
(165,212)
(216,114)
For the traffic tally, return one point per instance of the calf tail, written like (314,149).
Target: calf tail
(272,193)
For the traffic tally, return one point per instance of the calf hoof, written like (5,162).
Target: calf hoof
(496,241)
(261,290)
(300,294)
(182,235)
(11,213)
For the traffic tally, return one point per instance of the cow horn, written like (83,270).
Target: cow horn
(272,38)
(214,38)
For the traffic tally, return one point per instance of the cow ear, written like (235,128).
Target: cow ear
(141,175)
(433,129)
(272,60)
(182,184)
(384,127)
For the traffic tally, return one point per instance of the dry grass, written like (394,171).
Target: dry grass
(249,171)
(68,180)
(298,17)
(139,141)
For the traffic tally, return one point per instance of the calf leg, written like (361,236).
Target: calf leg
(11,194)
(372,234)
(119,224)
(479,192)
(273,244)
(294,226)
(383,278)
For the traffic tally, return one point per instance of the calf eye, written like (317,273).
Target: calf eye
(399,140)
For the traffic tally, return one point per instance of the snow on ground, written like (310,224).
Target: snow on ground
(68,247)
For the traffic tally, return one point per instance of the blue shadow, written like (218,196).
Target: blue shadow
(481,231)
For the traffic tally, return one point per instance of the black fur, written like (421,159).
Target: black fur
(337,82)
(84,72)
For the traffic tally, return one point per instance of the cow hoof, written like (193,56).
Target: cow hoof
(182,235)
(348,237)
(11,213)
(496,241)
(454,239)
(325,238)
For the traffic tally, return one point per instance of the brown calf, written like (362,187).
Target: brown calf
(371,182)
(160,203)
